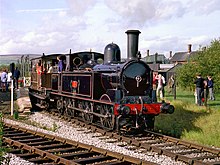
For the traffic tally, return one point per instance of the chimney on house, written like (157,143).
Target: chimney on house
(204,48)
(148,52)
(189,48)
(155,58)
(171,54)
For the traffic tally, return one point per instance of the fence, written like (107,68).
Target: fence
(24,82)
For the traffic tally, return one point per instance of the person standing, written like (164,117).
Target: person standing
(4,77)
(9,78)
(199,88)
(60,64)
(16,76)
(50,70)
(171,84)
(154,93)
(160,86)
(210,84)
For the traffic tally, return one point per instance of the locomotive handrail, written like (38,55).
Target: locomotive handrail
(142,103)
(86,99)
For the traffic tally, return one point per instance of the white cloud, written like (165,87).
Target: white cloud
(133,11)
(164,24)
(80,7)
(41,10)
(168,9)
(202,7)
(30,36)
(144,12)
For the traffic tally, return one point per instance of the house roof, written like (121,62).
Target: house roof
(161,67)
(166,66)
(182,56)
(154,67)
(150,59)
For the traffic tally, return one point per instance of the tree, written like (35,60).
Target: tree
(205,62)
(4,67)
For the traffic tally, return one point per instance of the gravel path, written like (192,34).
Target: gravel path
(63,129)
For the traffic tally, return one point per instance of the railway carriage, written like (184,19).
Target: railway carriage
(99,88)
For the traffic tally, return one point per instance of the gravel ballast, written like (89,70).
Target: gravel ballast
(63,129)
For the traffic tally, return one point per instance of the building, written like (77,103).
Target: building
(183,57)
(155,58)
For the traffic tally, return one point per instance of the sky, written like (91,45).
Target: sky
(56,26)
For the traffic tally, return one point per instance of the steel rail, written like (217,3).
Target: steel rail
(162,139)
(10,135)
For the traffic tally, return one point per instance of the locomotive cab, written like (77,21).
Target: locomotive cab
(40,77)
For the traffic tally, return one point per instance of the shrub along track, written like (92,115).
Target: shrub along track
(38,147)
(177,149)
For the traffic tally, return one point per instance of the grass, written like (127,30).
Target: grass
(1,135)
(2,149)
(198,124)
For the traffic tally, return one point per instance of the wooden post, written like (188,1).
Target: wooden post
(12,97)
(174,92)
(205,97)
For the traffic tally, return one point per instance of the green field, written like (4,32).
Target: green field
(190,122)
(13,58)
(4,60)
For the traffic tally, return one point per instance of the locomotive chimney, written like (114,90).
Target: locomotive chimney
(132,44)
(189,48)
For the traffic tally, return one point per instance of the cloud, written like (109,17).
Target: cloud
(172,43)
(55,32)
(134,11)
(168,9)
(41,10)
(91,24)
(204,6)
(80,7)
(142,12)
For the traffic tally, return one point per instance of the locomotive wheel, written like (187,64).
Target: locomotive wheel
(107,122)
(68,112)
(60,106)
(87,114)
(65,108)
(45,104)
(150,119)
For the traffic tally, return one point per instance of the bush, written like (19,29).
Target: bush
(205,62)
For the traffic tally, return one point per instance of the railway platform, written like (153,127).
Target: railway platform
(20,98)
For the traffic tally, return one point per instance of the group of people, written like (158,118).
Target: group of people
(6,78)
(204,88)
(51,67)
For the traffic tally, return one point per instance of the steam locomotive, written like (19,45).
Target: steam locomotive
(98,88)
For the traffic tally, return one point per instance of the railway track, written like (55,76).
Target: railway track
(41,148)
(177,149)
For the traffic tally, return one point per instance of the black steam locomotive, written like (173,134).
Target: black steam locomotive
(98,88)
